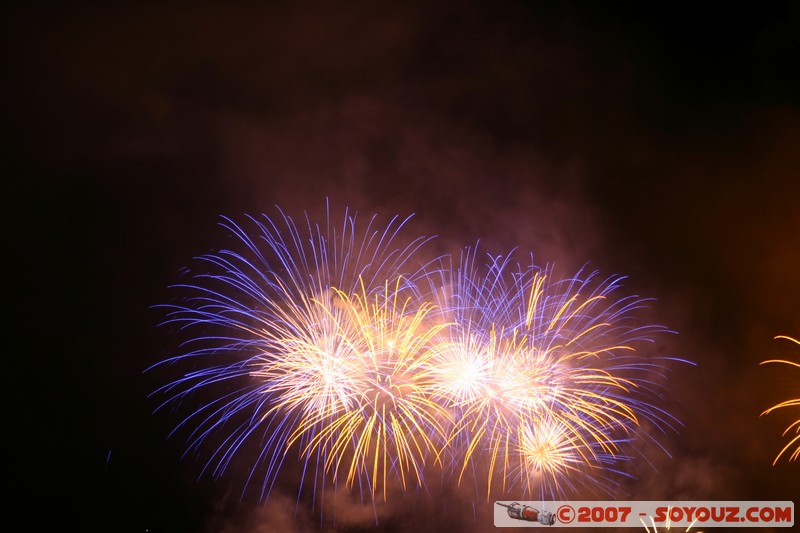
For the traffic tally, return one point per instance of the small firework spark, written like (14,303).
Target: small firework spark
(795,402)
(667,527)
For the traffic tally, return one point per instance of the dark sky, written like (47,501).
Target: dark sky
(659,140)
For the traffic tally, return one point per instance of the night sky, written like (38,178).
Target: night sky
(657,140)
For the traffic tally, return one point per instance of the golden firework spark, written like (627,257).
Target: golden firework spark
(794,402)
(362,402)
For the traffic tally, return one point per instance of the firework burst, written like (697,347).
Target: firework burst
(308,342)
(328,346)
(542,376)
(795,402)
